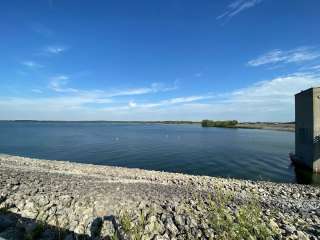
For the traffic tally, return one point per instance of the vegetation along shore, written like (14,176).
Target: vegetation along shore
(42,199)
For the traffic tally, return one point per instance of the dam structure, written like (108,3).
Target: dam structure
(307,128)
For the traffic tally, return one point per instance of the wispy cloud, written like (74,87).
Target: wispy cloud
(54,50)
(31,64)
(58,83)
(238,6)
(277,56)
(315,68)
(51,50)
(168,102)
(154,88)
(129,92)
(270,100)
(277,90)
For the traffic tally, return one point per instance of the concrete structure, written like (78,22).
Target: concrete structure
(307,114)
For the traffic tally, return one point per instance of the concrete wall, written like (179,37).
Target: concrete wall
(316,129)
(307,115)
(304,127)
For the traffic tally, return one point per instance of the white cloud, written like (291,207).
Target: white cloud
(178,100)
(58,83)
(270,100)
(129,92)
(132,104)
(238,6)
(31,64)
(154,88)
(277,90)
(54,50)
(277,56)
(313,68)
(163,103)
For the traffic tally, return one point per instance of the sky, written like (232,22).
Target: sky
(157,60)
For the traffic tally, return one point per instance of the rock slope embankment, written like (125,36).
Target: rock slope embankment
(42,199)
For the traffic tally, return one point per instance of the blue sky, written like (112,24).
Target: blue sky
(157,60)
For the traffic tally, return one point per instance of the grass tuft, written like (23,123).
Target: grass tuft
(134,226)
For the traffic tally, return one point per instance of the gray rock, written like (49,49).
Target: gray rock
(171,227)
(179,220)
(209,233)
(43,201)
(65,200)
(302,235)
(29,213)
(289,229)
(161,237)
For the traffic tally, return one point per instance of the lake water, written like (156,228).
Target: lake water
(236,153)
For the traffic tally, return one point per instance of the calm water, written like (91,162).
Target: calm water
(237,153)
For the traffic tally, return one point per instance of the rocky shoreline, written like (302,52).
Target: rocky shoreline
(42,199)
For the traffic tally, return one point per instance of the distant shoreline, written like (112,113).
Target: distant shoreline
(277,126)
(289,127)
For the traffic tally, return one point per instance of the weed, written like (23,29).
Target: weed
(133,228)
